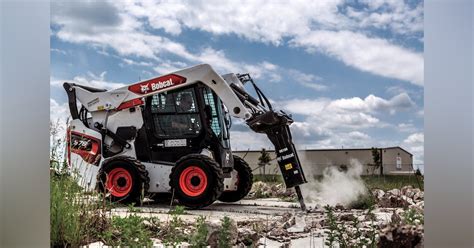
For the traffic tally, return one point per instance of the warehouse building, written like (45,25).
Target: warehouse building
(394,160)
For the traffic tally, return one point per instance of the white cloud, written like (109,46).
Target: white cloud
(124,26)
(374,55)
(414,143)
(244,140)
(396,16)
(58,51)
(406,127)
(254,20)
(91,79)
(356,105)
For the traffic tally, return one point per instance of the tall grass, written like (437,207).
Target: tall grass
(74,219)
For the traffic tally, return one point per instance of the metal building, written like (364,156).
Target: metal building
(394,160)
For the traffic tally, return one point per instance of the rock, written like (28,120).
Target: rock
(419,196)
(347,217)
(214,228)
(339,207)
(156,242)
(394,192)
(395,219)
(277,232)
(97,244)
(299,226)
(393,201)
(401,236)
(406,190)
(408,200)
(290,222)
(248,237)
(378,194)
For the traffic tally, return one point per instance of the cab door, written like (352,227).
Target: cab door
(174,124)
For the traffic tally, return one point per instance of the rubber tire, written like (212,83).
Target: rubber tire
(245,182)
(140,179)
(215,179)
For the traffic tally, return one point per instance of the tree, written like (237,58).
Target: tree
(264,159)
(377,159)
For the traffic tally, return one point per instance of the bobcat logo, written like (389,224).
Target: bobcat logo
(144,88)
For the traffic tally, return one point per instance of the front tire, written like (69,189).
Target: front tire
(197,181)
(124,180)
(244,182)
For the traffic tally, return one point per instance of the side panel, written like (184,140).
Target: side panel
(85,155)
(159,177)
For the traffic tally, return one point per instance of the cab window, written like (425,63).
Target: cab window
(175,114)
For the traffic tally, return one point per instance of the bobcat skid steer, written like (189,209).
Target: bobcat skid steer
(170,134)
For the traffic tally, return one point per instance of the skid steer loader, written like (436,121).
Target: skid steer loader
(170,134)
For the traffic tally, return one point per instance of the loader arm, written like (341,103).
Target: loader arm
(96,100)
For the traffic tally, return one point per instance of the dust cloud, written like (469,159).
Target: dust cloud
(337,186)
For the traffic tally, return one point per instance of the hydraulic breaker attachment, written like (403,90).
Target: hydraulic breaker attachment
(276,126)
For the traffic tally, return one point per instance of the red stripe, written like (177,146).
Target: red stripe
(131,103)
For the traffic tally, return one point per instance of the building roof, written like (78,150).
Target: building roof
(334,149)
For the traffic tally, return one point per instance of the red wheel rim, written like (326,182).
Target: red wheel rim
(193,181)
(119,182)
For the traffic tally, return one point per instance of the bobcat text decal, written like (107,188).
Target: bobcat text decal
(156,84)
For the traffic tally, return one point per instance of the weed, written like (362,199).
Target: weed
(73,219)
(339,235)
(199,239)
(224,237)
(178,210)
(412,217)
(173,234)
(129,231)
(133,209)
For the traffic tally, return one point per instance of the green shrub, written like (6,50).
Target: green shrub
(199,239)
(340,235)
(129,231)
(73,220)
(224,237)
(412,217)
(173,233)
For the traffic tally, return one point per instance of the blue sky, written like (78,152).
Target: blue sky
(350,72)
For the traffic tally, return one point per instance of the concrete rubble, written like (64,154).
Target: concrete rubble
(274,222)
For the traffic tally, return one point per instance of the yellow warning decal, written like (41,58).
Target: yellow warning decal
(101,107)
(288,166)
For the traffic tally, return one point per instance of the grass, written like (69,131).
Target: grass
(385,182)
(73,220)
(388,182)
(129,231)
(344,236)
(268,178)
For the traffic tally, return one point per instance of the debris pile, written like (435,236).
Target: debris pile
(402,236)
(406,197)
(269,190)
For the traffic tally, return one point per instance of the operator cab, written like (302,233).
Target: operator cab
(182,122)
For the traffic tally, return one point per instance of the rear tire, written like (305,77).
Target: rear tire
(124,180)
(197,181)
(244,183)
